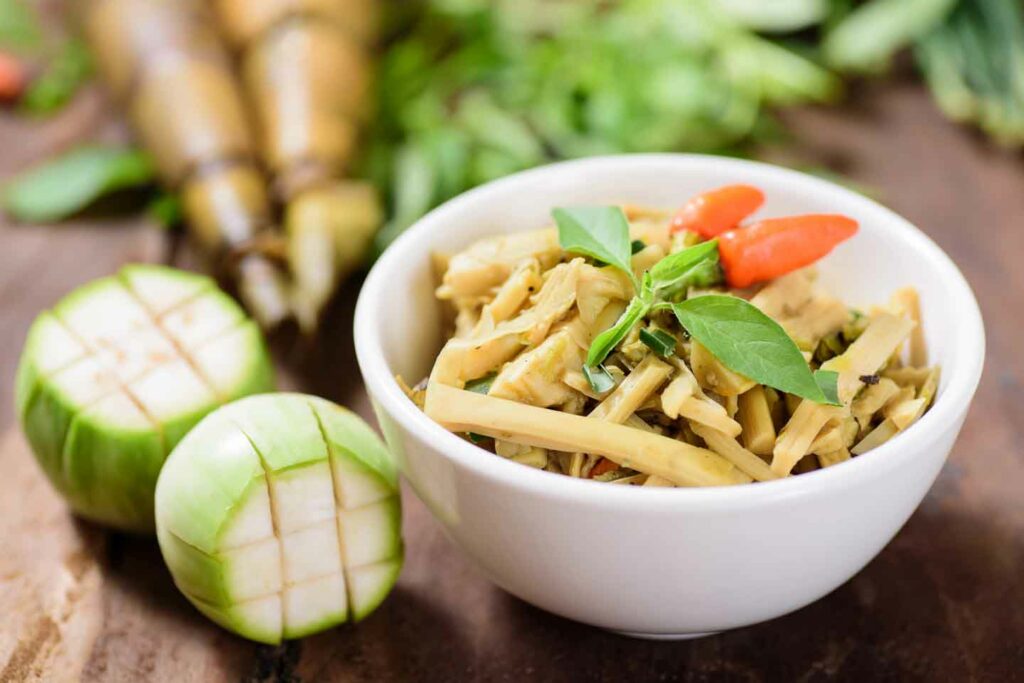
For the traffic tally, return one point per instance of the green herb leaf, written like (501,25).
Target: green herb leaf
(600,379)
(674,267)
(659,341)
(64,75)
(481,385)
(828,382)
(605,342)
(600,232)
(66,185)
(477,438)
(166,209)
(748,342)
(636,246)
(779,16)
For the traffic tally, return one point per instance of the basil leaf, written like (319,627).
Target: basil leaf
(828,382)
(748,342)
(600,232)
(659,341)
(600,379)
(481,385)
(674,267)
(605,342)
(636,246)
(68,184)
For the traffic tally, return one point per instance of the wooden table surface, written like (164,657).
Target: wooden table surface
(944,601)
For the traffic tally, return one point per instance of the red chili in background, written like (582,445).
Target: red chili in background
(713,212)
(771,248)
(12,78)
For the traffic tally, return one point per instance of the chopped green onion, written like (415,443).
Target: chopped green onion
(481,385)
(659,341)
(599,378)
(477,438)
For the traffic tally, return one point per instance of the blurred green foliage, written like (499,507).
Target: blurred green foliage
(19,30)
(974,63)
(470,90)
(474,90)
(59,65)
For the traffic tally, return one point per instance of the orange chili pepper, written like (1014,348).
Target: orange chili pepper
(12,78)
(771,248)
(712,213)
(603,466)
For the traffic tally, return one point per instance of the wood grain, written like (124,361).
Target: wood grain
(941,602)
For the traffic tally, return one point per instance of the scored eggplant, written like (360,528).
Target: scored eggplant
(119,371)
(279,516)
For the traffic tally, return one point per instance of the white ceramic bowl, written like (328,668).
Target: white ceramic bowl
(665,563)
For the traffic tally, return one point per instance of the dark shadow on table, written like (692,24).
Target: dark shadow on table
(325,365)
(154,617)
(409,638)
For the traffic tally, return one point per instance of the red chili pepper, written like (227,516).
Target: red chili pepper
(771,248)
(12,78)
(712,213)
(603,466)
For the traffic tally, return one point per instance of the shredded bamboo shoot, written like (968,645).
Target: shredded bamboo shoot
(864,357)
(908,304)
(756,420)
(879,435)
(680,463)
(735,453)
(833,457)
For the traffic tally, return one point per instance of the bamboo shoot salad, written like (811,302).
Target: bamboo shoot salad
(638,347)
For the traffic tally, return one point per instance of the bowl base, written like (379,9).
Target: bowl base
(664,636)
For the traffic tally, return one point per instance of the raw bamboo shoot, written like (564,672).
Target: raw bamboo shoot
(307,71)
(165,62)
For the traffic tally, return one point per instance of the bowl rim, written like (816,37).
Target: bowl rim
(950,405)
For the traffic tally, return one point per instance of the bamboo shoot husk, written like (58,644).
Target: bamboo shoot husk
(164,61)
